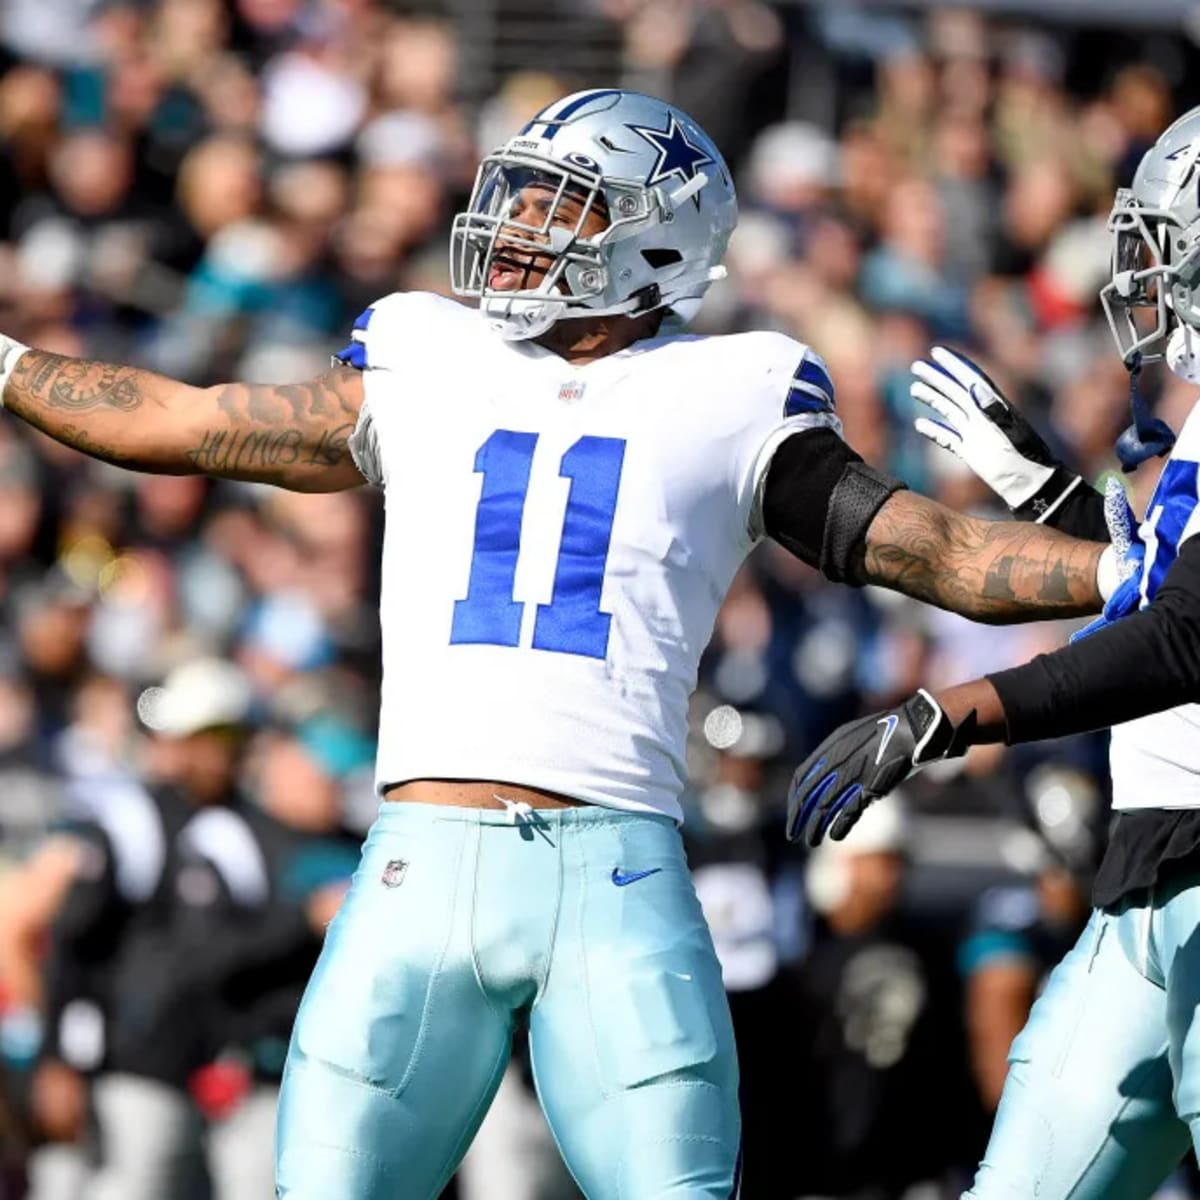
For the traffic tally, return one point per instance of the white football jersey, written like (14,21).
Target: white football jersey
(558,540)
(1155,760)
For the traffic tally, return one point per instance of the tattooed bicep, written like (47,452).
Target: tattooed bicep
(329,399)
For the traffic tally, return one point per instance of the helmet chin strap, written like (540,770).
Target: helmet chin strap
(520,319)
(1147,437)
(527,317)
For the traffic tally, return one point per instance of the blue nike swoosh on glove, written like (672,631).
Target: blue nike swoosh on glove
(632,877)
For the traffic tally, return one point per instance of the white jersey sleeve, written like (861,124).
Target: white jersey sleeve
(391,342)
(783,387)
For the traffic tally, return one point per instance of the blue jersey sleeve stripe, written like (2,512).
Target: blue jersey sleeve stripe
(814,374)
(804,398)
(353,355)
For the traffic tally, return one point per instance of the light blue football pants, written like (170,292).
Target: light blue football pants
(1103,1090)
(458,921)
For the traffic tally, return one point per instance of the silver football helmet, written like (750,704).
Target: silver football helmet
(660,188)
(1155,225)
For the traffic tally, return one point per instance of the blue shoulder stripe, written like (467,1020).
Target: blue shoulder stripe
(812,371)
(811,389)
(355,354)
(803,401)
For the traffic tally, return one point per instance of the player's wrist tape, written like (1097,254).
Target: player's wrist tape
(10,351)
(935,735)
(1046,501)
(1108,573)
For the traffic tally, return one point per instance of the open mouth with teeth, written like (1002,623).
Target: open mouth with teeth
(528,226)
(511,270)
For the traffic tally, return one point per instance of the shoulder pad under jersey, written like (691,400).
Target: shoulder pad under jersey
(390,331)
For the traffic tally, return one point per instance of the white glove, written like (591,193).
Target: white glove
(991,437)
(10,351)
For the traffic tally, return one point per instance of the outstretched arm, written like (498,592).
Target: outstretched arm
(828,508)
(1146,662)
(993,571)
(293,435)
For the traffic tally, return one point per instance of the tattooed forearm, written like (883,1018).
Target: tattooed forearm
(79,439)
(992,571)
(296,435)
(224,451)
(75,384)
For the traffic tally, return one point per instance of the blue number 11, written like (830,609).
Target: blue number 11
(572,622)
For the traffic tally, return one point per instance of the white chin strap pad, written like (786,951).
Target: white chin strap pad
(1183,353)
(517,320)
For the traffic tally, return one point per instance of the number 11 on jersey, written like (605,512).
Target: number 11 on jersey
(572,623)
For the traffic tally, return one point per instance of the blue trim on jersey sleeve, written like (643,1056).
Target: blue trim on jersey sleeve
(804,401)
(811,389)
(813,372)
(355,354)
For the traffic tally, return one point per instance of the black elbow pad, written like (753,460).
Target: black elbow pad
(857,497)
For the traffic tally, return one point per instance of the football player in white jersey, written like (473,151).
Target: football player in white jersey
(1102,1097)
(571,482)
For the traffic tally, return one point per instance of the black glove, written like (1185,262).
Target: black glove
(978,424)
(866,759)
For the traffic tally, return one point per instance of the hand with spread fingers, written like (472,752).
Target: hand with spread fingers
(975,422)
(864,760)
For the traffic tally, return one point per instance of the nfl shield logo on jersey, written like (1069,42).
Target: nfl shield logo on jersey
(571,391)
(393,873)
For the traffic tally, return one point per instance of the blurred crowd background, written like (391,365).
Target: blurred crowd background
(189,669)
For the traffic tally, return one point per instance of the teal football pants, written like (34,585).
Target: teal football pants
(1102,1097)
(458,921)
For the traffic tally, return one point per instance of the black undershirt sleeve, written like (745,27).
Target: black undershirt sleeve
(1146,662)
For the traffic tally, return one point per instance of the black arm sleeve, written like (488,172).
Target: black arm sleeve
(819,498)
(1081,514)
(1146,662)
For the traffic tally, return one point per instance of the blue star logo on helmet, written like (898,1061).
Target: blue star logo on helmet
(676,155)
